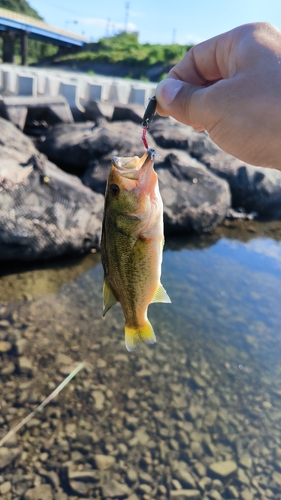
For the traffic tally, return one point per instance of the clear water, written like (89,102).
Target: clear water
(208,391)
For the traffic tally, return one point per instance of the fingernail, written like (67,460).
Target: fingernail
(167,90)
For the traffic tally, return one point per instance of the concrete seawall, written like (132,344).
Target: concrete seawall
(79,89)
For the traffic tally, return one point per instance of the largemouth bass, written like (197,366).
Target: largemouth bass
(132,244)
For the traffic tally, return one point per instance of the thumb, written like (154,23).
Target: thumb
(183,101)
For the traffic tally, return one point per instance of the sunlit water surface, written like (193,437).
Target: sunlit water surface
(208,391)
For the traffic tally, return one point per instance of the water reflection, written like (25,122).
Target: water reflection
(199,411)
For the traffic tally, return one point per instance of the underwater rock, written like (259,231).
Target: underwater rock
(223,469)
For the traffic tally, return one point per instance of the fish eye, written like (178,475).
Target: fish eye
(114,189)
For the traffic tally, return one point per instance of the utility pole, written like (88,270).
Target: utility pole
(107,28)
(174,35)
(127,8)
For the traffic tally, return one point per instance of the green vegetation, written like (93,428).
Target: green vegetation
(125,49)
(36,50)
(122,50)
(20,6)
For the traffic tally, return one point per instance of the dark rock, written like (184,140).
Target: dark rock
(194,199)
(74,146)
(97,110)
(96,175)
(132,112)
(168,133)
(256,189)
(45,212)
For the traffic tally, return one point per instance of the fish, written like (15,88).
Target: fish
(132,244)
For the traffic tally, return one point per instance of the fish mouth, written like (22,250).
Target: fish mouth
(130,167)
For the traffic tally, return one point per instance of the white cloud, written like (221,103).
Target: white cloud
(267,247)
(107,23)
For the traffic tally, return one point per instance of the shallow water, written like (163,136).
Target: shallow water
(208,391)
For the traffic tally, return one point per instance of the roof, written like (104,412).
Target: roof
(38,30)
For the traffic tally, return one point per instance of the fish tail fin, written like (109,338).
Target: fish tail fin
(133,336)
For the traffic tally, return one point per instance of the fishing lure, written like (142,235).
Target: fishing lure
(147,118)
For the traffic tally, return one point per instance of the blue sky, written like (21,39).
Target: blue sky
(157,21)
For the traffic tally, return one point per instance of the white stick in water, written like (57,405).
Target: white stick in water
(45,402)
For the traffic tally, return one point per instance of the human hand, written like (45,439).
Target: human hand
(230,86)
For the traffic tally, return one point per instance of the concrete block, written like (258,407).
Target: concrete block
(52,86)
(15,108)
(119,92)
(96,92)
(139,95)
(27,85)
(9,78)
(41,84)
(71,93)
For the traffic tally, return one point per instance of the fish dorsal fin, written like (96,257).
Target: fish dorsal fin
(161,295)
(109,298)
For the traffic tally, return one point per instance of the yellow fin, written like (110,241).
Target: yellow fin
(109,298)
(161,295)
(133,336)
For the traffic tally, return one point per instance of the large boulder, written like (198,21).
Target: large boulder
(169,134)
(255,189)
(13,139)
(194,198)
(44,212)
(73,147)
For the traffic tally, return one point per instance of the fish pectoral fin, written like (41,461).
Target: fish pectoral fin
(133,336)
(109,298)
(161,295)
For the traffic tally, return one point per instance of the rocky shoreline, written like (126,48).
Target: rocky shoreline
(52,185)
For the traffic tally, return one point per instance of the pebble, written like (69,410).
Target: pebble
(276,476)
(114,489)
(214,495)
(185,478)
(40,492)
(247,495)
(21,346)
(217,485)
(242,477)
(5,346)
(246,461)
(7,456)
(223,469)
(104,462)
(5,487)
(132,475)
(25,366)
(183,494)
(101,363)
(200,469)
(232,491)
(98,398)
